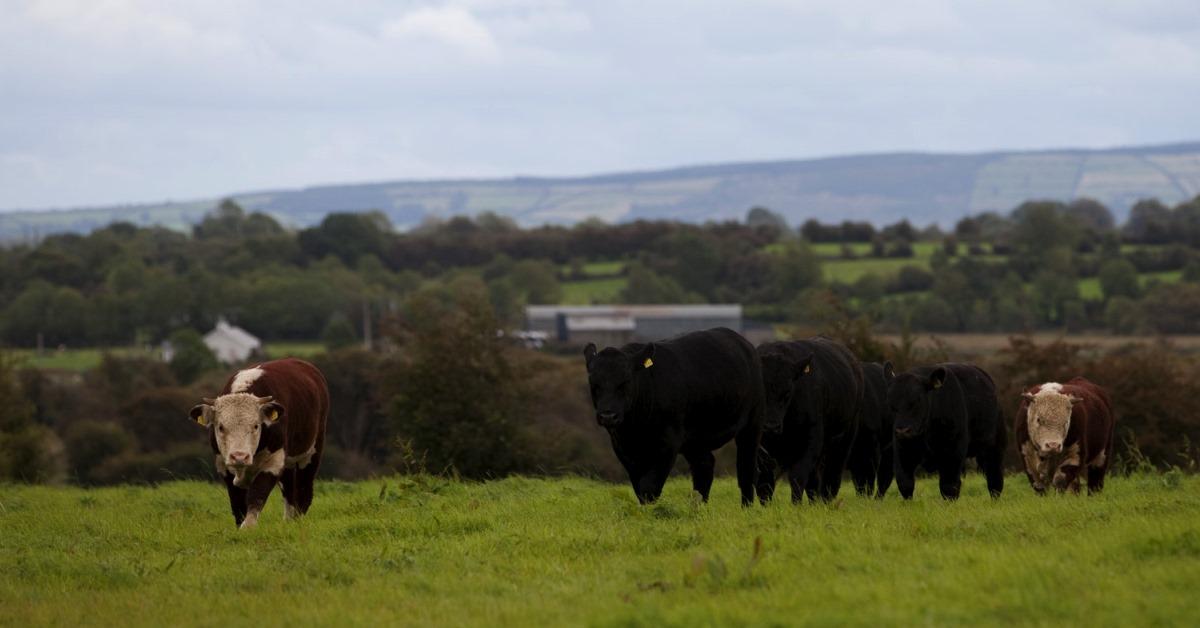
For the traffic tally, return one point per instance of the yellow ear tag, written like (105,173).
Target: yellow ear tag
(202,420)
(807,368)
(648,363)
(273,415)
(937,384)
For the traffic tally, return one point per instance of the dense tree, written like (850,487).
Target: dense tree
(191,356)
(457,398)
(1119,278)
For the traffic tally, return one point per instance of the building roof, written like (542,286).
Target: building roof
(542,312)
(601,323)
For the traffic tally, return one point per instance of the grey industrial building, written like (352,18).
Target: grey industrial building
(609,325)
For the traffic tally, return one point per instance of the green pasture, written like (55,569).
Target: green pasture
(1089,287)
(593,291)
(73,359)
(423,551)
(87,358)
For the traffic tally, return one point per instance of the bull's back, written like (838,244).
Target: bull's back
(1091,419)
(716,369)
(836,383)
(984,418)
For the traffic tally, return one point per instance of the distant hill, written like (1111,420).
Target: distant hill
(923,187)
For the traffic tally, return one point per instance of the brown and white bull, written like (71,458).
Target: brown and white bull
(1061,428)
(268,426)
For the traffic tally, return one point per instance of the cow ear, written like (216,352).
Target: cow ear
(1074,400)
(1028,396)
(202,414)
(589,352)
(889,371)
(804,367)
(271,411)
(645,357)
(937,378)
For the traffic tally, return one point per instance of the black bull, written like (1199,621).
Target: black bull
(687,395)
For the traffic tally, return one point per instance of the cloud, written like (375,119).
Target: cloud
(450,26)
(186,99)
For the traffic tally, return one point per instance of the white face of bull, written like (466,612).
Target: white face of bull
(238,421)
(1049,418)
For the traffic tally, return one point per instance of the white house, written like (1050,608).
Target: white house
(231,344)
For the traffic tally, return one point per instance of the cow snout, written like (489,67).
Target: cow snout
(239,458)
(904,432)
(1052,447)
(607,419)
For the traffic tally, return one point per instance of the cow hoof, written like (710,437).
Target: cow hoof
(250,521)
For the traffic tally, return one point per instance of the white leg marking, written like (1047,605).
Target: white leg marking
(250,521)
(290,511)
(1098,461)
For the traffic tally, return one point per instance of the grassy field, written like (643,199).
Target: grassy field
(601,286)
(89,357)
(1089,288)
(73,359)
(529,552)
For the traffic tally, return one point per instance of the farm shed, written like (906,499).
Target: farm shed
(617,324)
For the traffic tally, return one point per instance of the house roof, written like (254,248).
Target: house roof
(224,332)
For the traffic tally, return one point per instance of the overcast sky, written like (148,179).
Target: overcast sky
(112,101)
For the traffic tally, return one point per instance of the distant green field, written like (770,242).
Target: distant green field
(88,358)
(73,359)
(574,552)
(596,269)
(593,291)
(921,250)
(1089,287)
(850,271)
(294,349)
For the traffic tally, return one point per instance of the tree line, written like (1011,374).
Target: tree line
(993,272)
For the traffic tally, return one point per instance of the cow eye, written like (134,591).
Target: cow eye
(255,428)
(221,429)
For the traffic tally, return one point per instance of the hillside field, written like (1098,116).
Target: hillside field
(572,551)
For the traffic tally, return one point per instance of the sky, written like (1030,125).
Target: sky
(126,101)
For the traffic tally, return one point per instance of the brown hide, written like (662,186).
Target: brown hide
(1092,425)
(301,389)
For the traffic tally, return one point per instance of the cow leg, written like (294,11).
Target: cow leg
(701,464)
(237,499)
(834,466)
(992,465)
(1067,475)
(1095,479)
(864,463)
(257,495)
(287,486)
(747,442)
(950,472)
(1066,478)
(649,486)
(905,465)
(765,484)
(306,477)
(886,471)
(800,476)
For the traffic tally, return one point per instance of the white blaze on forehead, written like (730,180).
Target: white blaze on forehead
(244,379)
(1051,386)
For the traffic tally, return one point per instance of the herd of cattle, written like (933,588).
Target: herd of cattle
(810,408)
(807,408)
